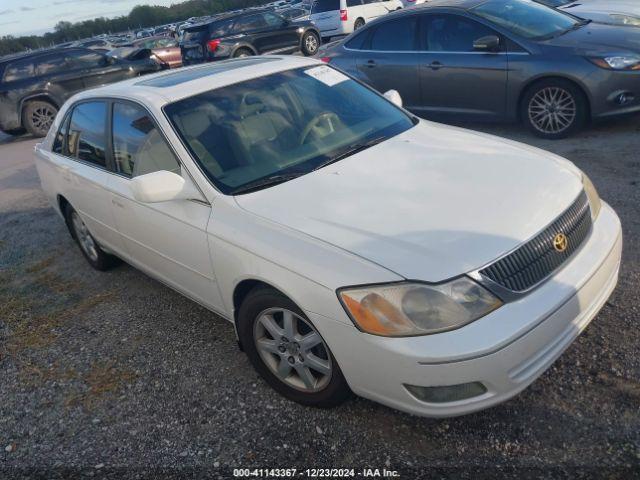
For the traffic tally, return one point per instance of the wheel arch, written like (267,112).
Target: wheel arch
(239,46)
(541,78)
(62,203)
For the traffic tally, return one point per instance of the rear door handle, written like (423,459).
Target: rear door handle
(371,63)
(435,65)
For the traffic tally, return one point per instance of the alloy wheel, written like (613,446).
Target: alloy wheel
(292,349)
(311,44)
(87,244)
(42,117)
(552,110)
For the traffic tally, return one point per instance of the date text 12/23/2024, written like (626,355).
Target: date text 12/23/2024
(315,473)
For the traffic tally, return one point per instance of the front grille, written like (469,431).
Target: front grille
(535,260)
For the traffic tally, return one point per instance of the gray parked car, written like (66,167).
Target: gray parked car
(498,60)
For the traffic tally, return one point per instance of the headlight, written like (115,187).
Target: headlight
(625,19)
(592,195)
(618,62)
(407,309)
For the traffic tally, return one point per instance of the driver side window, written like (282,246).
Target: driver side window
(450,33)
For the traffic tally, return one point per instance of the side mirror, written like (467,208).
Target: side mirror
(490,43)
(162,186)
(394,97)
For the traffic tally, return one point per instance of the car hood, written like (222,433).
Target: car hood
(598,38)
(429,204)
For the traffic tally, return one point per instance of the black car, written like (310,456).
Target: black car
(247,33)
(33,86)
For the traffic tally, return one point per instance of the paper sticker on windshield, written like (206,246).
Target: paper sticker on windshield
(326,75)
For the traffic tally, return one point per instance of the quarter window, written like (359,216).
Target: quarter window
(396,36)
(448,33)
(138,146)
(86,137)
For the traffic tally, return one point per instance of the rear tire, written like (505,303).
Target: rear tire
(554,108)
(97,258)
(242,52)
(310,44)
(286,363)
(38,116)
(359,23)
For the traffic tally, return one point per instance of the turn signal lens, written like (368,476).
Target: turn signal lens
(592,195)
(408,309)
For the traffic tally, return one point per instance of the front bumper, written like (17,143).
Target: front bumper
(505,351)
(614,93)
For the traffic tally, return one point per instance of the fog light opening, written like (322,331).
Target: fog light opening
(624,98)
(448,393)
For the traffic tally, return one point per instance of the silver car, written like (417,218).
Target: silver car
(498,60)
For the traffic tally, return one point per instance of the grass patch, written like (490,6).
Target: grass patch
(102,379)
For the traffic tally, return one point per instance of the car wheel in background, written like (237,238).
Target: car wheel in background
(242,52)
(359,23)
(288,352)
(310,44)
(38,116)
(97,258)
(554,108)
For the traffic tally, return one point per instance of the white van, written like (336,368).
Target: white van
(341,17)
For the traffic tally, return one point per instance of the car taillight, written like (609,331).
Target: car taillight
(343,15)
(212,45)
(325,59)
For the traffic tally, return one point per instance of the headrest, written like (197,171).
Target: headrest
(195,122)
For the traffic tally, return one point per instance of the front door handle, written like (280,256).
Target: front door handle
(435,65)
(371,63)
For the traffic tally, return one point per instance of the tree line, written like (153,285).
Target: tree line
(140,17)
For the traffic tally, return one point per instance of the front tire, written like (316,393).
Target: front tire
(310,44)
(554,109)
(38,117)
(288,352)
(97,258)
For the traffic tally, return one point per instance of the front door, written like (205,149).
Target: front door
(285,35)
(454,78)
(168,239)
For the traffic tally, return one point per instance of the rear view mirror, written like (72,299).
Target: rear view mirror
(490,43)
(394,97)
(162,186)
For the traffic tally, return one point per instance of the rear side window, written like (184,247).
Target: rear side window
(86,139)
(19,70)
(50,65)
(325,6)
(250,22)
(358,41)
(138,146)
(395,36)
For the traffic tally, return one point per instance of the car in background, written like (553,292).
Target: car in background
(498,60)
(351,246)
(99,44)
(166,50)
(617,12)
(341,17)
(245,34)
(34,86)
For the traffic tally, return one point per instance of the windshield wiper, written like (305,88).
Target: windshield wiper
(265,182)
(352,150)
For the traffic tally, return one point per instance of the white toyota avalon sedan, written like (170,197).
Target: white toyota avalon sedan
(354,247)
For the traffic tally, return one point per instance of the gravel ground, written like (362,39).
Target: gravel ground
(113,374)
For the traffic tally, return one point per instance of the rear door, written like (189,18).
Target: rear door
(325,14)
(62,80)
(81,152)
(454,78)
(168,239)
(257,32)
(285,34)
(387,59)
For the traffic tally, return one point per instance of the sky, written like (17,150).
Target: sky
(24,17)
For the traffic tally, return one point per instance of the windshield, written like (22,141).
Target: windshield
(284,124)
(526,18)
(554,3)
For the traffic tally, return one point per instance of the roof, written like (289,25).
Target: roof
(462,4)
(172,85)
(225,16)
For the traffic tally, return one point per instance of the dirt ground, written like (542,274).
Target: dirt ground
(114,375)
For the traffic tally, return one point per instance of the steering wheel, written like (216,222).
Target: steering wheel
(330,120)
